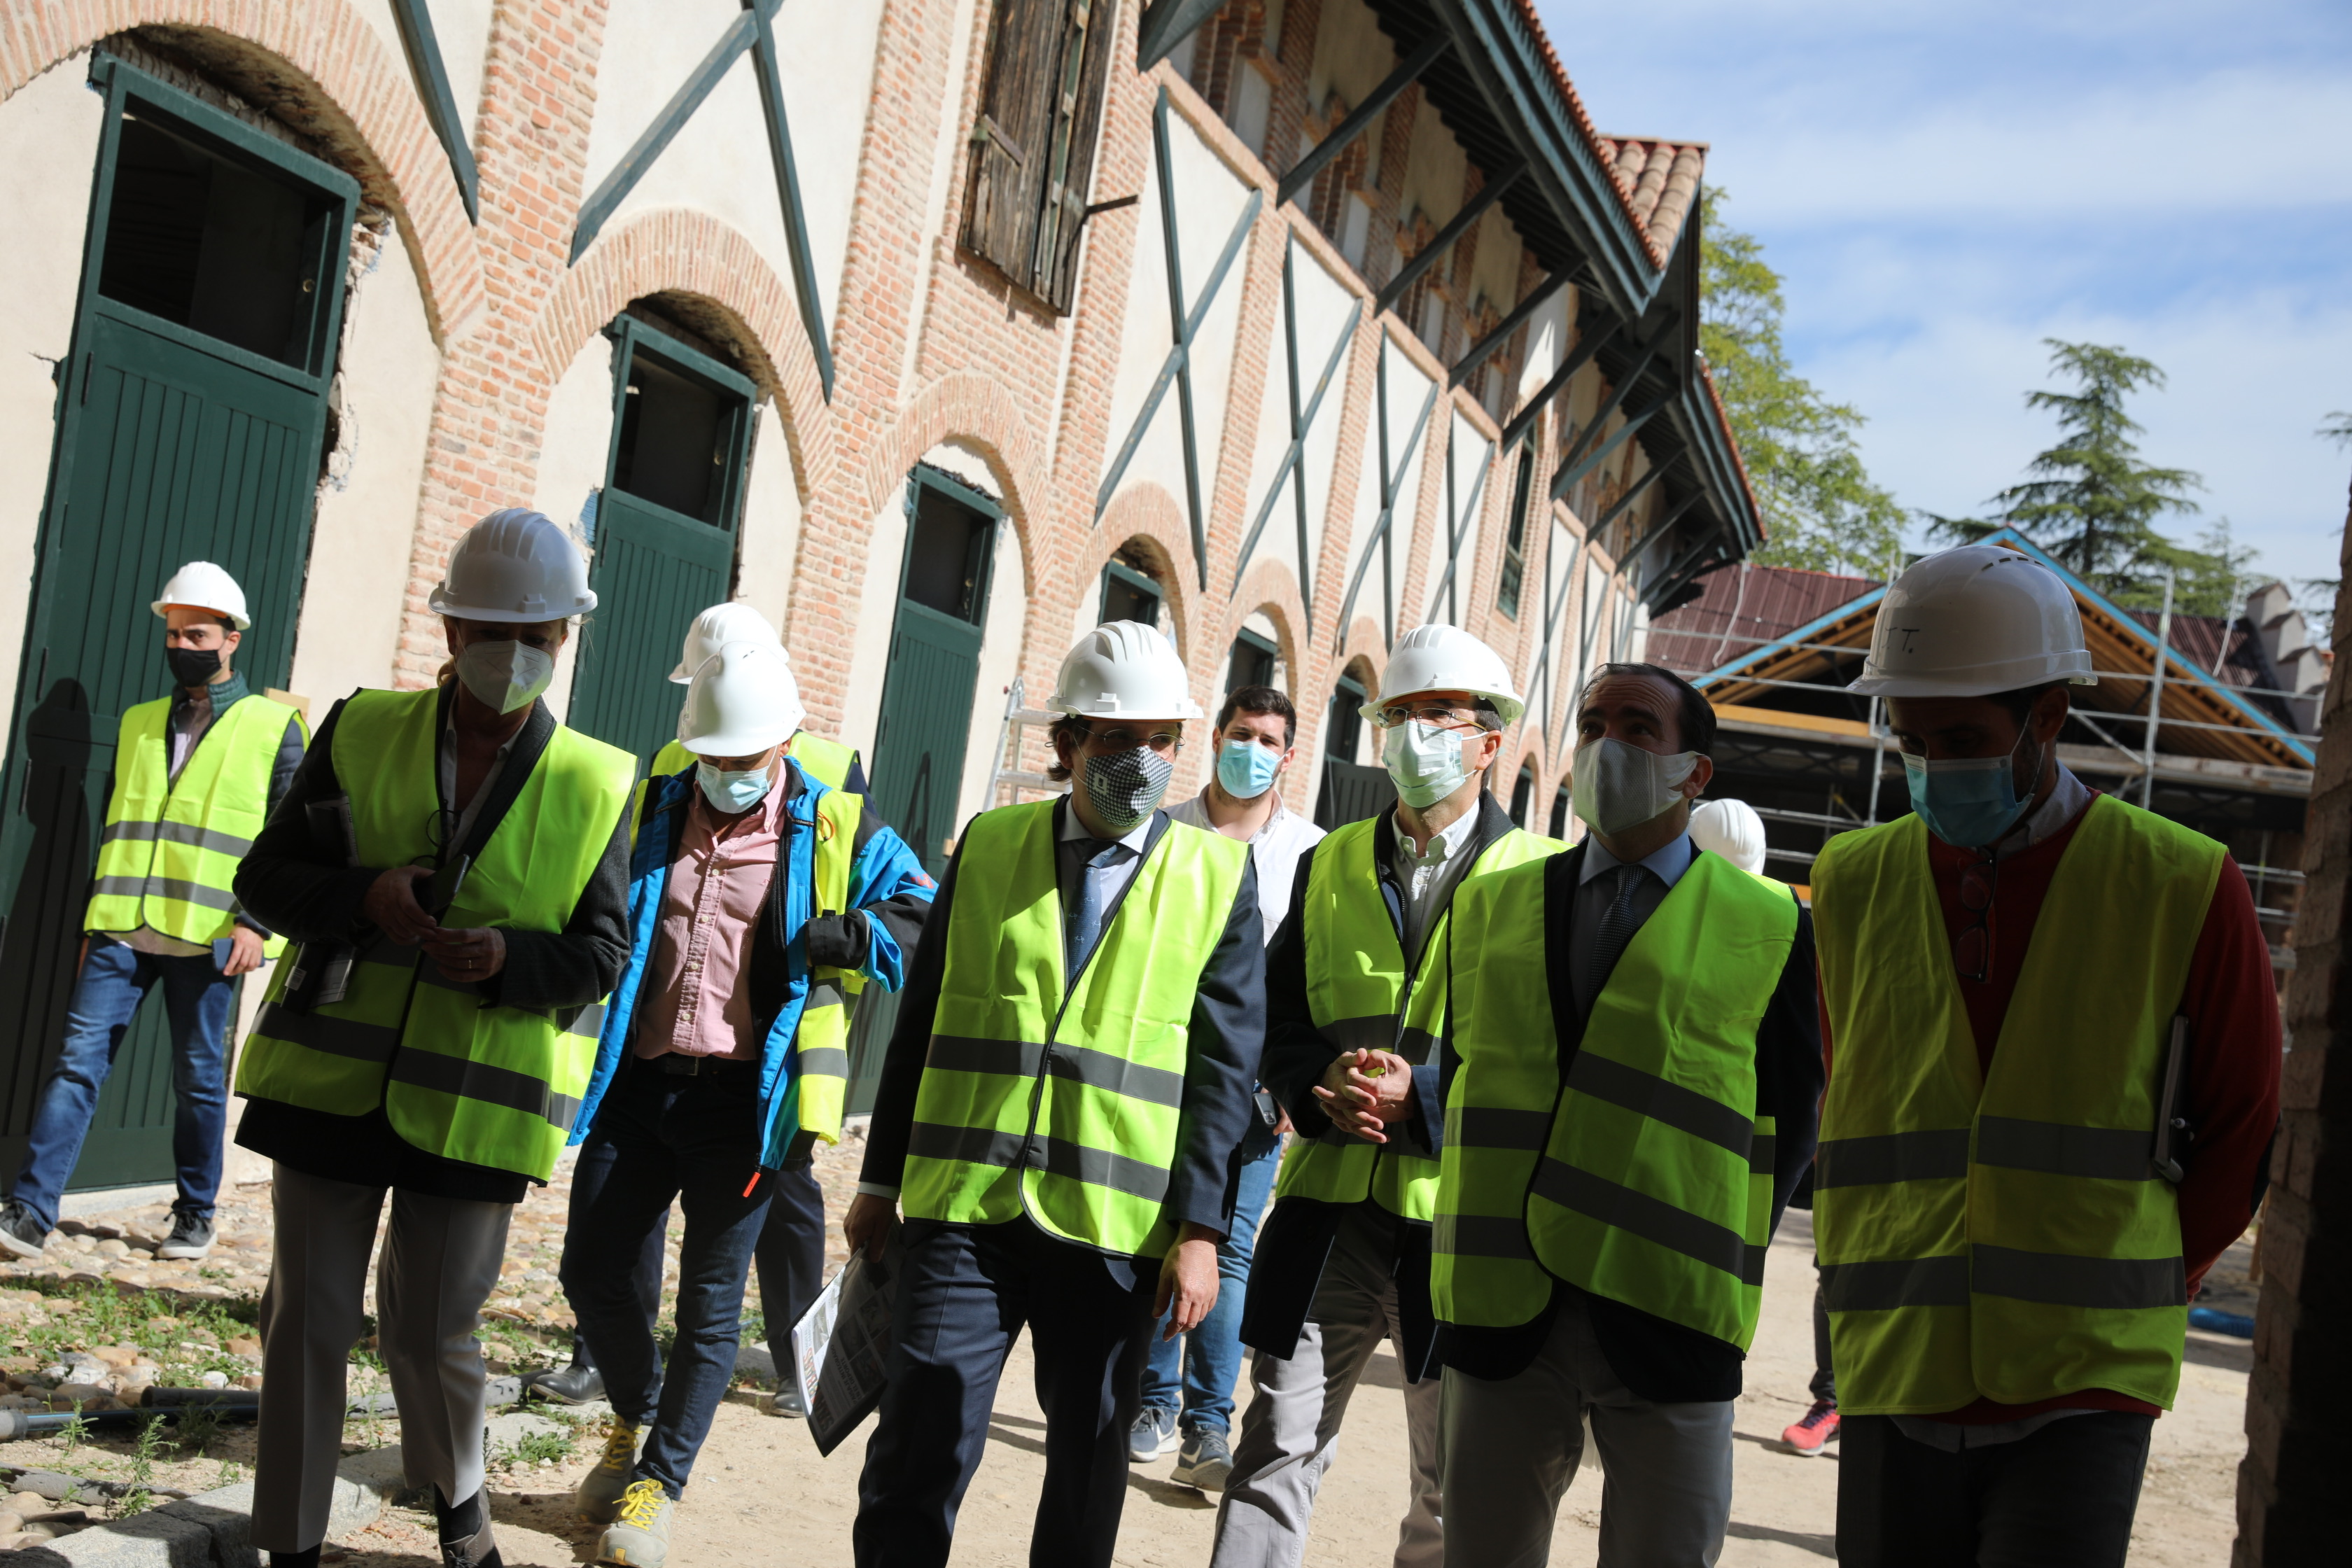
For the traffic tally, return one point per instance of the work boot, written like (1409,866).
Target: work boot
(640,1537)
(573,1384)
(1153,1435)
(599,1494)
(20,1233)
(1808,1437)
(191,1238)
(1204,1461)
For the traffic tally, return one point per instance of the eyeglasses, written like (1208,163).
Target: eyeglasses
(1165,742)
(1436,715)
(1972,949)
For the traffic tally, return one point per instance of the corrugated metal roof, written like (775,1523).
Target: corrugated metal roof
(1742,607)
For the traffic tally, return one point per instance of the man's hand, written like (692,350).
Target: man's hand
(392,908)
(870,1223)
(1363,1091)
(1188,1281)
(466,956)
(244,951)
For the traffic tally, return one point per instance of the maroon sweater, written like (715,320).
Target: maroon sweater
(2231,1100)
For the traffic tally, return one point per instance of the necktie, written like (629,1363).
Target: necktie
(1086,916)
(1617,928)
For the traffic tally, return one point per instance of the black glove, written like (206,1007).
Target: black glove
(838,941)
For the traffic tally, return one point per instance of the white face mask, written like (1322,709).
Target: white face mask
(506,675)
(1424,763)
(1618,786)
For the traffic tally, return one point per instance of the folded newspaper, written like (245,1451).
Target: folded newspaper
(839,1349)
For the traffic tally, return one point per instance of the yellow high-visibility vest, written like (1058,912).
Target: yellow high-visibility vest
(2003,1236)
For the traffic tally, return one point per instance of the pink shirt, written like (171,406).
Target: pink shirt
(703,936)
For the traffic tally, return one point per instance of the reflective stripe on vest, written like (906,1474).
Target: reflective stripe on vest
(1061,1105)
(1356,997)
(169,853)
(488,1085)
(1647,1177)
(821,1047)
(2003,1236)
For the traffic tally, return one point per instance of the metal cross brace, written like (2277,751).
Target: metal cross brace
(432,77)
(1527,306)
(1302,173)
(1293,465)
(1185,321)
(1390,477)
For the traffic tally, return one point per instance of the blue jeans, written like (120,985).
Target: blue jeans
(1202,1367)
(693,1140)
(115,978)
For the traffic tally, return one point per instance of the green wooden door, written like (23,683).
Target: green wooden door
(665,531)
(191,415)
(927,699)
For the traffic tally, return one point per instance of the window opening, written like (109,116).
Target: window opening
(1523,794)
(1507,595)
(1251,662)
(947,552)
(1129,592)
(1345,727)
(1560,813)
(677,436)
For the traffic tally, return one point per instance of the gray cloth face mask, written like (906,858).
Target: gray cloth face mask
(1127,787)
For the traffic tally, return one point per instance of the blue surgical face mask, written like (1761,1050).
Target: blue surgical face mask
(733,792)
(1246,769)
(1968,802)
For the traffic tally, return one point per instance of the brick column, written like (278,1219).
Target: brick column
(2290,1484)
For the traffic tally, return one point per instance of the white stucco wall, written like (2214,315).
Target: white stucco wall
(1468,460)
(718,163)
(1408,389)
(1351,55)
(1322,304)
(771,524)
(1548,334)
(1209,202)
(572,455)
(49,154)
(365,527)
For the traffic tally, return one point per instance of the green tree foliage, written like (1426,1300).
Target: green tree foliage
(2094,504)
(1820,509)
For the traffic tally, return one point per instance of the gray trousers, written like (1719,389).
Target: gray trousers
(441,1260)
(1511,1446)
(1290,1433)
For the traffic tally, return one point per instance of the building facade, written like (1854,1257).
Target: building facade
(937,330)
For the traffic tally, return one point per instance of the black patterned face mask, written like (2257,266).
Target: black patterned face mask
(1125,787)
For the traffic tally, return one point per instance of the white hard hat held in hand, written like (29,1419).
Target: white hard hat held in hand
(743,700)
(1732,829)
(1973,621)
(514,565)
(733,621)
(201,586)
(1440,657)
(1124,669)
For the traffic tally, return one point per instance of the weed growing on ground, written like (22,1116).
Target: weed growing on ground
(139,1498)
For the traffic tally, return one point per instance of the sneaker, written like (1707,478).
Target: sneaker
(573,1384)
(1153,1435)
(466,1538)
(598,1496)
(639,1538)
(191,1238)
(1809,1436)
(20,1233)
(1204,1461)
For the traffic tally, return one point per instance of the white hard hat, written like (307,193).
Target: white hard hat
(743,700)
(1732,829)
(1124,669)
(514,565)
(202,585)
(733,621)
(1440,657)
(1973,621)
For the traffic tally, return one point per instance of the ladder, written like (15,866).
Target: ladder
(1018,716)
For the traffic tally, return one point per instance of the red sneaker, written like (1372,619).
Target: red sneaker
(1808,1437)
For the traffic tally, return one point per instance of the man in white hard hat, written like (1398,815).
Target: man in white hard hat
(791,1254)
(1060,1115)
(750,883)
(456,864)
(1187,1384)
(1352,989)
(196,775)
(2054,1055)
(1632,1065)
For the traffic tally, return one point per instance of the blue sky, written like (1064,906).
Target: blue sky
(1944,186)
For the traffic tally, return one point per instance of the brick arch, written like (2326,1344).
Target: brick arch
(317,67)
(1147,511)
(974,412)
(1271,587)
(679,251)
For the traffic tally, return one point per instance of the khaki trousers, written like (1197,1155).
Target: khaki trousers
(441,1260)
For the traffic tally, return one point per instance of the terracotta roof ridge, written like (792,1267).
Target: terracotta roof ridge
(1593,137)
(1659,142)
